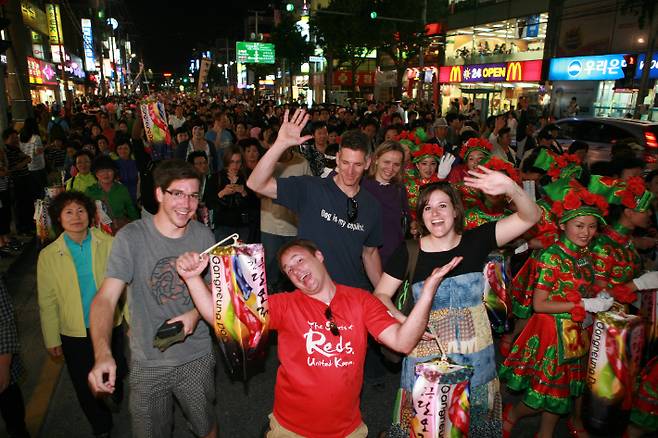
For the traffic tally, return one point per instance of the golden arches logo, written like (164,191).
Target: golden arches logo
(514,72)
(456,73)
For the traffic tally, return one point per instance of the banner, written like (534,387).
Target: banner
(88,44)
(204,67)
(54,25)
(239,290)
(441,400)
(155,122)
(614,363)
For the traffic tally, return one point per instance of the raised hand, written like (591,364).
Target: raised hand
(291,128)
(437,275)
(490,181)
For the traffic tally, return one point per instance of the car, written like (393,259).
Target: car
(602,133)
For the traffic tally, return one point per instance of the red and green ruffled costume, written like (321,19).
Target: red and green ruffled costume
(616,261)
(645,401)
(523,285)
(548,359)
(413,184)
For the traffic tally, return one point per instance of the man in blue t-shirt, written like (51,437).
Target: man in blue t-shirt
(344,221)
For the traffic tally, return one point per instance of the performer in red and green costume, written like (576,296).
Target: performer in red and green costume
(481,208)
(473,153)
(547,361)
(426,160)
(544,234)
(616,261)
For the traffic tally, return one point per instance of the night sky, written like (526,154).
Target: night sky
(169,30)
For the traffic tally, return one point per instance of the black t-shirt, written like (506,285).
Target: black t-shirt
(475,246)
(322,211)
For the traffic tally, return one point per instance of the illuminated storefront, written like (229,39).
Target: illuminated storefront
(603,85)
(43,80)
(492,87)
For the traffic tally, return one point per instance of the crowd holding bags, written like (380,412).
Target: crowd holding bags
(239,290)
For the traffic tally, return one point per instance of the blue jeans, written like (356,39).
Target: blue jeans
(272,243)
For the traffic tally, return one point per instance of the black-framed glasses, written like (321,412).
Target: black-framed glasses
(352,210)
(333,328)
(179,195)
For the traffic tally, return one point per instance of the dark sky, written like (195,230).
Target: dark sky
(169,30)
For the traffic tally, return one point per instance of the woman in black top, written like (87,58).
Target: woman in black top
(232,214)
(458,317)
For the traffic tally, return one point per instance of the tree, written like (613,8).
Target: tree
(290,45)
(347,34)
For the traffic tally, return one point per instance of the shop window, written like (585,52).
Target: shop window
(519,38)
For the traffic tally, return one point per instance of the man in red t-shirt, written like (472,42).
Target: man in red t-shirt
(323,337)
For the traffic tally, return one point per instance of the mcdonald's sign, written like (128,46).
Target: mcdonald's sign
(513,71)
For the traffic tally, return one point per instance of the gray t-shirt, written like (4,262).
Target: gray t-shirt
(146,260)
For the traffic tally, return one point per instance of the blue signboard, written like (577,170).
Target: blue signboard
(653,73)
(587,68)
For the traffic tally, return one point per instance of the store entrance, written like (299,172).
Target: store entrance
(481,98)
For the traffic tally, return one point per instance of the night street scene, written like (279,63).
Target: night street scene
(329,218)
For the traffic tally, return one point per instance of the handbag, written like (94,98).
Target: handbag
(405,221)
(403,298)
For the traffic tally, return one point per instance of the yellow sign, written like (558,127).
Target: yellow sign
(54,25)
(456,73)
(34,17)
(514,72)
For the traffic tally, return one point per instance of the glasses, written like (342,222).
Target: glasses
(333,328)
(179,195)
(352,210)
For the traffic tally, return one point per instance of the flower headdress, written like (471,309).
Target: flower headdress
(631,193)
(558,166)
(412,139)
(571,199)
(427,150)
(497,163)
(475,144)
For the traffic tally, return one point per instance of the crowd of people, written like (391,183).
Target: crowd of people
(335,194)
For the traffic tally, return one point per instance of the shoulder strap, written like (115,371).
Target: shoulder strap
(413,249)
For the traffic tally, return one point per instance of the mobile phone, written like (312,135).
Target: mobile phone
(167,330)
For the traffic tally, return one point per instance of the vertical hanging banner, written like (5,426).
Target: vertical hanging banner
(239,291)
(204,67)
(155,122)
(88,44)
(54,25)
(441,400)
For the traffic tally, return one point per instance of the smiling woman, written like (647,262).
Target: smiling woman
(458,317)
(69,272)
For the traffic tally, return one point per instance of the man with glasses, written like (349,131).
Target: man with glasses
(322,340)
(343,220)
(143,257)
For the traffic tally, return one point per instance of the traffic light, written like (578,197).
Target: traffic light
(630,66)
(373,14)
(290,7)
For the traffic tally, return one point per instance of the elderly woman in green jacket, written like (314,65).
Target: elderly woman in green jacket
(69,272)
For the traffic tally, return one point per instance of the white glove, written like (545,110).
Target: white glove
(445,165)
(598,304)
(647,281)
